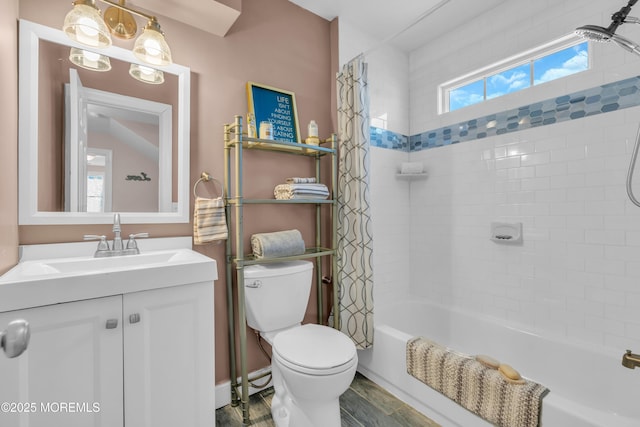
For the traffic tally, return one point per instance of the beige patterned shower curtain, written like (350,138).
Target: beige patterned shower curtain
(355,238)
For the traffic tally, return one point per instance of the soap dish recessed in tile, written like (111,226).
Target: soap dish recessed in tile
(505,232)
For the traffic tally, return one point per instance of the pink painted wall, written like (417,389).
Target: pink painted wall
(273,42)
(8,135)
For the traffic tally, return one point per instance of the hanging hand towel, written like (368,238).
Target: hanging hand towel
(277,244)
(209,222)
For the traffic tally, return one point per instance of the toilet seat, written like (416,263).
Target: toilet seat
(314,350)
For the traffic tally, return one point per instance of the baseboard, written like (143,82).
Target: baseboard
(223,390)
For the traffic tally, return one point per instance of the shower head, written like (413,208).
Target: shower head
(600,34)
(594,33)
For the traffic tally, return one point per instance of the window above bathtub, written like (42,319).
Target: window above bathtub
(557,59)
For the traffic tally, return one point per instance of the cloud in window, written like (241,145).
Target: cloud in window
(507,82)
(578,62)
(461,98)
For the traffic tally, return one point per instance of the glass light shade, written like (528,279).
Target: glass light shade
(151,47)
(85,25)
(89,60)
(146,74)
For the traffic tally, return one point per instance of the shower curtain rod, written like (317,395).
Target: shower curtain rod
(411,25)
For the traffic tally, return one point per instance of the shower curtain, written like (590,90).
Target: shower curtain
(355,239)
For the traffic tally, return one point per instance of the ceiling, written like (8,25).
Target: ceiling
(408,23)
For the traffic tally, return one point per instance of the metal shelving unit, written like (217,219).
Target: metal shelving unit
(236,141)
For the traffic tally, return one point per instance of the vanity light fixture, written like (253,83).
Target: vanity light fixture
(146,74)
(121,22)
(85,25)
(89,60)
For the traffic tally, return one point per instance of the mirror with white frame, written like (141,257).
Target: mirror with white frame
(91,145)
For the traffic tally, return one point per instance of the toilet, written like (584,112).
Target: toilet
(312,365)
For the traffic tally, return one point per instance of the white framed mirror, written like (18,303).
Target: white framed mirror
(79,182)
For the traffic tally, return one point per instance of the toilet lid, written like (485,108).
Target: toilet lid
(314,347)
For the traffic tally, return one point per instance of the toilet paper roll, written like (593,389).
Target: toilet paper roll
(411,167)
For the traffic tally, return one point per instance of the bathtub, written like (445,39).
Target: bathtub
(588,388)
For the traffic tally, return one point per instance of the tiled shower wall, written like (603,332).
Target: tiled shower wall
(577,273)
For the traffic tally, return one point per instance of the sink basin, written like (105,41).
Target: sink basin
(48,280)
(82,265)
(90,265)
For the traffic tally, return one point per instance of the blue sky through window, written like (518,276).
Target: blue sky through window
(509,81)
(550,67)
(466,95)
(560,64)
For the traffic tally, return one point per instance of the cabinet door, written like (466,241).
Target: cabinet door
(168,357)
(70,374)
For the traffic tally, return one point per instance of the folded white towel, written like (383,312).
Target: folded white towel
(411,167)
(299,196)
(301,191)
(277,244)
(297,180)
(209,222)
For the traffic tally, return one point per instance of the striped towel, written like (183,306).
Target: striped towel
(209,222)
(301,191)
(476,387)
(297,180)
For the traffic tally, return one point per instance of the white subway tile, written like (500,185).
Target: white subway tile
(607,267)
(609,237)
(618,282)
(549,144)
(632,238)
(607,326)
(585,165)
(535,159)
(566,154)
(567,181)
(551,169)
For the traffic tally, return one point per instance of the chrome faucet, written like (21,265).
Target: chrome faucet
(630,360)
(116,248)
(117,240)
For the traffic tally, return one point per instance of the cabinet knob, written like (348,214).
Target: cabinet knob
(15,339)
(112,323)
(134,318)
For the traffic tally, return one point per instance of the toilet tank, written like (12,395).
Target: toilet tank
(277,294)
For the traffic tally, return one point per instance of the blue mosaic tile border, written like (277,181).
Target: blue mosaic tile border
(602,99)
(386,139)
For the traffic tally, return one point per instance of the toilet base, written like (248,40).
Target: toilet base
(307,407)
(287,414)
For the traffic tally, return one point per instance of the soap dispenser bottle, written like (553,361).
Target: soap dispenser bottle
(312,138)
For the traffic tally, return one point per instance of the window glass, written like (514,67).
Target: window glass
(466,95)
(549,62)
(509,81)
(562,63)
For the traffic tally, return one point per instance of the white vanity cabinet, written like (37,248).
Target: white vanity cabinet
(140,358)
(114,342)
(71,357)
(168,357)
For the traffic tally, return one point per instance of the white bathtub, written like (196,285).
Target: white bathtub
(587,388)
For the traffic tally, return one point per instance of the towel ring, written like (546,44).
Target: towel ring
(204,177)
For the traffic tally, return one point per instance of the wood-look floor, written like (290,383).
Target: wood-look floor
(364,404)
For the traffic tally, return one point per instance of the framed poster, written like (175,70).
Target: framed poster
(276,106)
